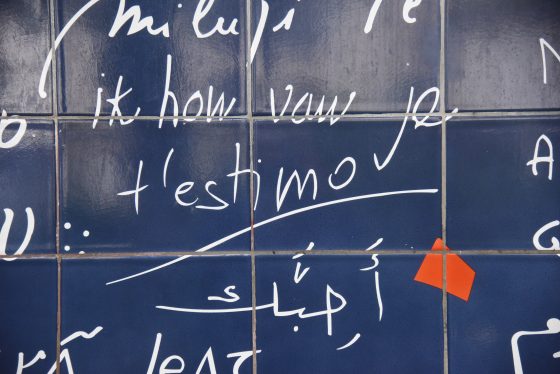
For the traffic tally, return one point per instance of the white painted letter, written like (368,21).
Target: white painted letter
(555,243)
(371,16)
(168,94)
(208,357)
(137,23)
(408,6)
(5,122)
(544,43)
(300,186)
(349,179)
(4,232)
(183,189)
(21,365)
(538,159)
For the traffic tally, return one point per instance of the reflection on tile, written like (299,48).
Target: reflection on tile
(130,334)
(410,317)
(494,199)
(24,47)
(494,54)
(341,214)
(511,294)
(185,198)
(28,299)
(96,53)
(325,51)
(27,177)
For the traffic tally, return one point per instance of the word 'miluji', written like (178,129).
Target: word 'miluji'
(205,24)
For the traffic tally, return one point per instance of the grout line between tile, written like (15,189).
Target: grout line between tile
(54,108)
(249,110)
(280,252)
(365,116)
(442,85)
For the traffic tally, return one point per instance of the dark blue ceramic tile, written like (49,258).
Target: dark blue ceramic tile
(348,217)
(173,210)
(126,321)
(510,294)
(27,177)
(494,54)
(95,53)
(28,299)
(406,337)
(327,52)
(493,199)
(24,47)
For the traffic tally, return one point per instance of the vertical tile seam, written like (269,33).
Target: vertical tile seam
(249,114)
(54,110)
(442,108)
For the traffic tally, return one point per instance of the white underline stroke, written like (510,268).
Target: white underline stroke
(214,311)
(82,334)
(273,219)
(354,340)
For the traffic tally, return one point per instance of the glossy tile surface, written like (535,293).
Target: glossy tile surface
(326,51)
(24,47)
(354,204)
(28,297)
(27,177)
(258,186)
(185,199)
(494,54)
(513,295)
(494,198)
(408,320)
(96,52)
(121,313)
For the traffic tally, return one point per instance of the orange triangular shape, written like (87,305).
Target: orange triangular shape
(460,276)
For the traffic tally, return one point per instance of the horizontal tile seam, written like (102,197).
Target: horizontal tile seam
(391,115)
(282,252)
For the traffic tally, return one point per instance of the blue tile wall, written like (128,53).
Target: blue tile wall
(218,61)
(127,312)
(494,55)
(243,186)
(483,157)
(185,171)
(24,48)
(512,294)
(27,174)
(335,57)
(379,326)
(413,171)
(29,306)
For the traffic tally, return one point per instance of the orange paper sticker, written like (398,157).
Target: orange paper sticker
(460,276)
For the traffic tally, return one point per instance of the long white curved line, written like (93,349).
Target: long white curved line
(273,219)
(57,41)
